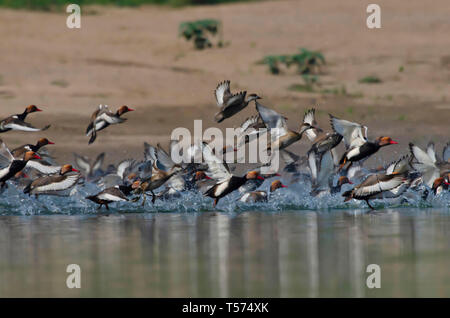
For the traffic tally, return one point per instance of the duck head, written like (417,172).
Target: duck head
(385,141)
(30,155)
(343,180)
(32,109)
(252,175)
(124,109)
(200,175)
(252,97)
(276,185)
(44,141)
(67,168)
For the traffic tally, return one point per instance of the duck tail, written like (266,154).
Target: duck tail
(348,195)
(219,117)
(27,189)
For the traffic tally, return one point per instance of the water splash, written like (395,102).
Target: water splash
(297,197)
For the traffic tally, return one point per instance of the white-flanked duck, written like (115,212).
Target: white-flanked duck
(19,151)
(225,181)
(230,104)
(107,196)
(13,165)
(355,138)
(379,186)
(17,121)
(103,117)
(427,163)
(261,196)
(57,184)
(281,135)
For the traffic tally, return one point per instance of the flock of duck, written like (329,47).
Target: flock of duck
(34,171)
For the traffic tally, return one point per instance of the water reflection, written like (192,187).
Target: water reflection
(258,254)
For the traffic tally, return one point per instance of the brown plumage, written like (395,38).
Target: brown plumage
(54,184)
(19,151)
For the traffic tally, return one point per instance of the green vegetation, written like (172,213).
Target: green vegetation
(198,31)
(370,80)
(58,4)
(307,62)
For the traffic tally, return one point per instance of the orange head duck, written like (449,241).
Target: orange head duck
(67,168)
(123,109)
(385,141)
(251,175)
(276,185)
(30,155)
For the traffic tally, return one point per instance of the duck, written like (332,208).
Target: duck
(378,186)
(107,196)
(200,182)
(230,104)
(441,184)
(13,165)
(225,181)
(102,118)
(261,196)
(322,170)
(356,142)
(321,141)
(56,184)
(17,121)
(19,151)
(157,179)
(428,164)
(281,135)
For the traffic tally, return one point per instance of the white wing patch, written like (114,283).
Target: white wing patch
(65,184)
(110,197)
(43,168)
(220,92)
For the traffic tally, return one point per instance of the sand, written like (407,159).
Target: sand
(133,56)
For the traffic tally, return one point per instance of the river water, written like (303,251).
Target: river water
(302,253)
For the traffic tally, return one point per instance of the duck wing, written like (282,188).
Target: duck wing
(82,163)
(355,135)
(216,167)
(222,93)
(98,162)
(378,183)
(43,167)
(272,120)
(55,183)
(423,163)
(309,118)
(5,155)
(446,153)
(431,152)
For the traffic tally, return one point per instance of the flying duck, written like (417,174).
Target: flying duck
(225,181)
(88,168)
(281,135)
(322,141)
(230,104)
(107,196)
(103,117)
(14,165)
(427,163)
(17,121)
(358,147)
(378,186)
(19,151)
(261,196)
(55,184)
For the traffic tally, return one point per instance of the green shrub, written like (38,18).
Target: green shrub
(198,32)
(370,80)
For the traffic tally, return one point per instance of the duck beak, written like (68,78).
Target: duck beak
(208,178)
(284,186)
(277,175)
(73,169)
(35,156)
(260,178)
(51,143)
(393,142)
(447,183)
(38,110)
(130,110)
(349,182)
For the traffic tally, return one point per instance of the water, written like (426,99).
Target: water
(272,253)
